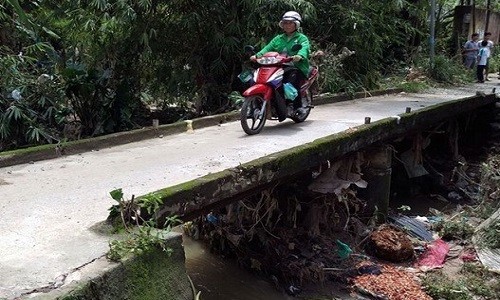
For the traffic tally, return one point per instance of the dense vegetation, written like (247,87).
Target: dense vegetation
(79,68)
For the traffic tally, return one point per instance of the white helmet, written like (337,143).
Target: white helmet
(291,16)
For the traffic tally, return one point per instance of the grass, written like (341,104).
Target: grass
(455,230)
(413,86)
(490,237)
(472,282)
(438,286)
(480,281)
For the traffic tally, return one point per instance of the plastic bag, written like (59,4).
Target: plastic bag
(246,76)
(290,91)
(343,250)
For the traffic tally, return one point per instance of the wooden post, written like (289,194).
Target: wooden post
(488,7)
(378,175)
(473,16)
(432,40)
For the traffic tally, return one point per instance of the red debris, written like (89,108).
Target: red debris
(434,256)
(469,256)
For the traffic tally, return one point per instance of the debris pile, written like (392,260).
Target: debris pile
(391,284)
(391,244)
(288,240)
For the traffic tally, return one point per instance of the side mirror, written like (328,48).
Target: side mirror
(296,47)
(249,49)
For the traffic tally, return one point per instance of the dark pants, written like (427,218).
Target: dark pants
(480,72)
(295,77)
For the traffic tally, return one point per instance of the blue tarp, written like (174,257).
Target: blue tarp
(414,227)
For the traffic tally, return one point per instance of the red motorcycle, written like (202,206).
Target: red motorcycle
(263,100)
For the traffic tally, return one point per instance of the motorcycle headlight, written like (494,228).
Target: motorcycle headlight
(268,60)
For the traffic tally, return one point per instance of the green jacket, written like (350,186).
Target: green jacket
(281,44)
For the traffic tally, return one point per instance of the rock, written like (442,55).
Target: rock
(390,243)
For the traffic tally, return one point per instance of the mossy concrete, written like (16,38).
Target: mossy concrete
(49,151)
(188,199)
(152,275)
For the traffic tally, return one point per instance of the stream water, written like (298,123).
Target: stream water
(221,279)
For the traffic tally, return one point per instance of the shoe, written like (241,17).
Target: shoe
(487,79)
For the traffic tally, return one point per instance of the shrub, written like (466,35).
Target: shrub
(32,105)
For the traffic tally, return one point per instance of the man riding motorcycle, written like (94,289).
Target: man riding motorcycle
(283,43)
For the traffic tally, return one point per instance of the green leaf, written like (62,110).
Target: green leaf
(13,112)
(5,129)
(116,194)
(34,134)
(49,113)
(51,33)
(20,12)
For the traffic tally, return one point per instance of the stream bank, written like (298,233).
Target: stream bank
(300,240)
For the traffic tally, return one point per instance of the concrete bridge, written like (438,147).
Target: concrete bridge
(51,207)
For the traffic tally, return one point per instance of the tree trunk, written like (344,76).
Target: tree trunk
(488,6)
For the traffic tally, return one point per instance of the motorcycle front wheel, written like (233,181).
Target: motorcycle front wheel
(252,118)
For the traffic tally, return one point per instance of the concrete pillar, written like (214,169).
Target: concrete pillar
(377,172)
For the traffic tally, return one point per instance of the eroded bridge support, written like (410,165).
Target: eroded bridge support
(377,172)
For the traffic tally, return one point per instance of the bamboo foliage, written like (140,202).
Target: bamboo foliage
(107,54)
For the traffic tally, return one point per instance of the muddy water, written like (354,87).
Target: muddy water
(222,279)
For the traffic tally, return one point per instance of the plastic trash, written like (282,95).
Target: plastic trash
(290,91)
(413,226)
(344,250)
(246,76)
(434,256)
(16,94)
(369,269)
(211,218)
(293,290)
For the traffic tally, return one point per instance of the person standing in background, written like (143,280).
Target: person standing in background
(482,60)
(470,51)
(490,44)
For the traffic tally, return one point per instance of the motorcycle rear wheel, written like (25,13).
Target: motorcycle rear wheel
(251,120)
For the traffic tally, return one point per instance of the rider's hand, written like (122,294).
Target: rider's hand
(296,58)
(253,58)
